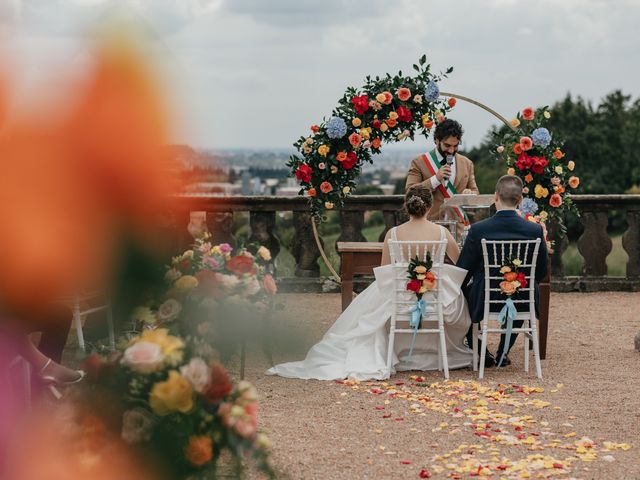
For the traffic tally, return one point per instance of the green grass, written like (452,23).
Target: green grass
(616,260)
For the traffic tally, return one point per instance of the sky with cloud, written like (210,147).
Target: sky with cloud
(252,73)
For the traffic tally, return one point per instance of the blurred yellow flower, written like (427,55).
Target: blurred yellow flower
(511,171)
(328,205)
(186,282)
(356,122)
(515,123)
(547,114)
(558,169)
(264,253)
(541,192)
(173,395)
(170,346)
(571,165)
(143,315)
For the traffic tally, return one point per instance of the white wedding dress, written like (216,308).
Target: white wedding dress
(356,344)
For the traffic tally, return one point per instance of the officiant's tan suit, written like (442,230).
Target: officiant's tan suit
(462,178)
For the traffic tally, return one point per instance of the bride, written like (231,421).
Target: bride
(356,345)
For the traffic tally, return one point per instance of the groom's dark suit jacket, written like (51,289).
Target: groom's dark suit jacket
(504,225)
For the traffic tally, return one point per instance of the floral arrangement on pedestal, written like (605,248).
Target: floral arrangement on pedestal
(175,400)
(387,109)
(214,295)
(535,155)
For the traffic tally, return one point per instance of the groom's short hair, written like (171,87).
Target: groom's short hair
(509,190)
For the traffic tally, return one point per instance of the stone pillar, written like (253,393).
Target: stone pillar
(594,244)
(262,225)
(631,243)
(220,225)
(303,246)
(351,224)
(390,221)
(559,247)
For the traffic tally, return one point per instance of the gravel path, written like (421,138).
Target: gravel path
(591,383)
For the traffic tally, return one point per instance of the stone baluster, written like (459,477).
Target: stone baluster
(262,225)
(220,225)
(351,224)
(303,246)
(559,246)
(631,243)
(390,221)
(594,244)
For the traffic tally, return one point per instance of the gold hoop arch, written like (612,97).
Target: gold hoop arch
(335,275)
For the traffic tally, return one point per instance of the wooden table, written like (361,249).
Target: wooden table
(363,257)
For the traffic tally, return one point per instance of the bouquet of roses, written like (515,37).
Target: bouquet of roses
(513,281)
(535,155)
(421,280)
(178,406)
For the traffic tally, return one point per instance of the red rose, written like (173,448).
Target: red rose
(522,279)
(528,113)
(404,114)
(304,173)
(315,128)
(376,123)
(524,161)
(209,284)
(360,103)
(414,285)
(240,265)
(538,164)
(219,385)
(351,160)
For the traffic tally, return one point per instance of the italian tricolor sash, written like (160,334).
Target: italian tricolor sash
(447,190)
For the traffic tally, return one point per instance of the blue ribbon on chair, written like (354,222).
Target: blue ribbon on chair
(417,311)
(507,315)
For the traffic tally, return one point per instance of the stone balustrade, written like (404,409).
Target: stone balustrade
(594,244)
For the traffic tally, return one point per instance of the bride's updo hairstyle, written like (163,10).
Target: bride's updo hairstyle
(418,200)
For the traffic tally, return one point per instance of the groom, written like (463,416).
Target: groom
(506,224)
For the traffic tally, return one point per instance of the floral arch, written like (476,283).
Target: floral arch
(395,107)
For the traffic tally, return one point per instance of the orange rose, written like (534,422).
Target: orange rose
(428,284)
(517,149)
(555,200)
(312,192)
(452,102)
(507,287)
(326,187)
(510,277)
(558,154)
(429,276)
(375,143)
(355,139)
(199,451)
(528,113)
(428,124)
(269,284)
(388,98)
(403,94)
(559,189)
(240,265)
(341,156)
(526,143)
(391,122)
(528,178)
(574,182)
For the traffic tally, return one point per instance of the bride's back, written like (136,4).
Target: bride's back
(406,242)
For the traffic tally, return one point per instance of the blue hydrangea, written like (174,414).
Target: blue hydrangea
(528,205)
(432,92)
(541,137)
(336,127)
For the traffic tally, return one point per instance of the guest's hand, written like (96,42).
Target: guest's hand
(466,191)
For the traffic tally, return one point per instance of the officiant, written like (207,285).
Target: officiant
(444,170)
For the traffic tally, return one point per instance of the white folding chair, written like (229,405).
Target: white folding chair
(401,253)
(495,254)
(77,304)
